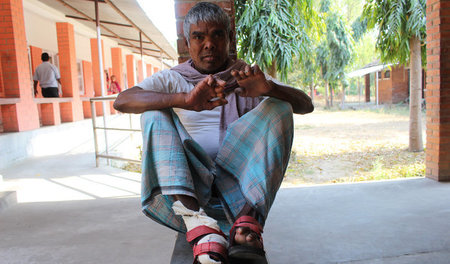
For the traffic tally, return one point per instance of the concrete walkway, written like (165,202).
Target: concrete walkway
(68,211)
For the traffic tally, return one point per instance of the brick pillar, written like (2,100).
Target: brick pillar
(96,74)
(88,87)
(117,69)
(131,70)
(35,54)
(438,90)
(15,69)
(181,9)
(71,111)
(140,72)
(367,83)
(149,68)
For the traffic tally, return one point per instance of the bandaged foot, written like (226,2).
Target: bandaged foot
(193,219)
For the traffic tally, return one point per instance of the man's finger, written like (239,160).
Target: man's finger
(236,75)
(248,70)
(242,75)
(219,89)
(210,80)
(220,83)
(256,69)
(218,102)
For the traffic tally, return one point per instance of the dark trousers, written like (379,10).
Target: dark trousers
(50,92)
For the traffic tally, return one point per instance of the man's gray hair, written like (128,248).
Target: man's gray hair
(205,12)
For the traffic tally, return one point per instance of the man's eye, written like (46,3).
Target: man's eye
(219,34)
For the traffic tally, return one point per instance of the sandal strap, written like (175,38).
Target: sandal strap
(248,221)
(201,231)
(210,247)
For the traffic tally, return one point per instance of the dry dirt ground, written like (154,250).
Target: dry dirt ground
(352,145)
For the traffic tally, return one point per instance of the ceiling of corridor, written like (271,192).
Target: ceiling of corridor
(122,20)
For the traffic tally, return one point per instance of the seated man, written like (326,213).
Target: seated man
(217,139)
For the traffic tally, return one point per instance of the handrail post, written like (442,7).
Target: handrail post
(105,154)
(94,126)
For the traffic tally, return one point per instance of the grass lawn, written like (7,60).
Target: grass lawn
(333,146)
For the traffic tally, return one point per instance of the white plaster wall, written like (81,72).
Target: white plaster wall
(82,47)
(40,32)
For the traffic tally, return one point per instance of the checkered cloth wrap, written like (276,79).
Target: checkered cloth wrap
(249,167)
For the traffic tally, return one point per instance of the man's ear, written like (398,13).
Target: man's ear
(186,42)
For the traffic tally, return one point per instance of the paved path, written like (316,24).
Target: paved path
(68,211)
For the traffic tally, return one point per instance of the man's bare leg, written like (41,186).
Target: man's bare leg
(188,201)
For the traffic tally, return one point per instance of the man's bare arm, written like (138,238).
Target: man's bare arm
(300,101)
(137,100)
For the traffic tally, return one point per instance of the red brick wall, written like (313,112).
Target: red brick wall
(130,70)
(438,90)
(95,67)
(181,9)
(50,114)
(117,65)
(149,70)
(140,72)
(400,84)
(15,68)
(72,111)
(88,87)
(36,53)
(96,74)
(88,79)
(384,89)
(2,85)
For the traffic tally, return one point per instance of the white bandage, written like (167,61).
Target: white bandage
(193,219)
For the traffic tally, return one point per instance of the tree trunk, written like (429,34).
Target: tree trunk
(343,97)
(327,104)
(331,94)
(273,69)
(311,88)
(415,96)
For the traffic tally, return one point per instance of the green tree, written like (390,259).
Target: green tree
(401,39)
(272,33)
(334,52)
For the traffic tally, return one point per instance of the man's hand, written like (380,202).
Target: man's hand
(206,95)
(252,82)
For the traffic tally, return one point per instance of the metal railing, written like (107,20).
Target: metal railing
(106,153)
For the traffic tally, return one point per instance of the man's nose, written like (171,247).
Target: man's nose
(209,44)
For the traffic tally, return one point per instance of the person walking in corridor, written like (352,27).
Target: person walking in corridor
(48,77)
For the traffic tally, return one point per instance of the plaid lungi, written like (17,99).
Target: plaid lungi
(249,166)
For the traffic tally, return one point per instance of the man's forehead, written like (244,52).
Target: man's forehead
(203,27)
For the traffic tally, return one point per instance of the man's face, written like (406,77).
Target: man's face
(208,47)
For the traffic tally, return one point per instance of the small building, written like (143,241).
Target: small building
(391,82)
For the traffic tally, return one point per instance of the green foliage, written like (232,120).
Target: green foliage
(359,27)
(334,52)
(397,21)
(271,32)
